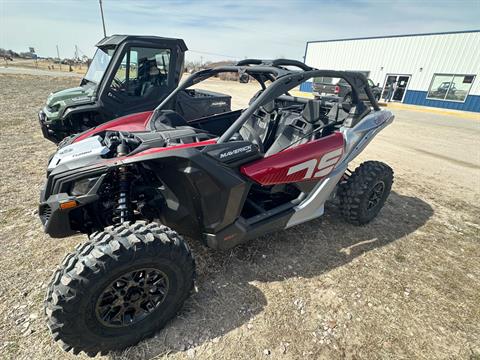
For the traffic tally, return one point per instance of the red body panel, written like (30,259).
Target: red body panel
(311,161)
(131,123)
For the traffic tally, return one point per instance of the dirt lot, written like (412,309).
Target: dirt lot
(405,286)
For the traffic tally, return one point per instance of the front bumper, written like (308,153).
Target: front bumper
(42,118)
(58,222)
(48,131)
(55,221)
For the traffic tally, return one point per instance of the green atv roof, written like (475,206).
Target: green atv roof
(115,40)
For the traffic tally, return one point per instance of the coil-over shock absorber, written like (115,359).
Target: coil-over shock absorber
(123,207)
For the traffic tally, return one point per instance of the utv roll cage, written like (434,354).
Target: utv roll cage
(282,80)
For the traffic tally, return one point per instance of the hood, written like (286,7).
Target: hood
(79,154)
(58,101)
(74,95)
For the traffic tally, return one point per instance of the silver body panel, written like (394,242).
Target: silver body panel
(356,139)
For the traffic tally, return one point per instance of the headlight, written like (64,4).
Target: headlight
(83,186)
(54,108)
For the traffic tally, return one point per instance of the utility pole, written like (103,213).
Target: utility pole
(58,57)
(76,57)
(103,20)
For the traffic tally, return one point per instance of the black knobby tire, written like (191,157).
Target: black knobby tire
(75,293)
(364,193)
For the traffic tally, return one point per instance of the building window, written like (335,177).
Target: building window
(450,87)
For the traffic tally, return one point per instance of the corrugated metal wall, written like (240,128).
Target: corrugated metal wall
(420,56)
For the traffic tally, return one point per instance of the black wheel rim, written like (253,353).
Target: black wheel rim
(376,195)
(132,297)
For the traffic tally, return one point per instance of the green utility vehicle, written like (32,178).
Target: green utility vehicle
(128,74)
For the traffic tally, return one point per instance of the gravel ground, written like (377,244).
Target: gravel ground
(405,286)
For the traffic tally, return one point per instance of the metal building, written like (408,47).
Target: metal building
(436,69)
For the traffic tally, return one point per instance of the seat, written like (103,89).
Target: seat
(295,127)
(258,127)
(147,89)
(356,114)
(313,112)
(152,81)
(339,112)
(291,128)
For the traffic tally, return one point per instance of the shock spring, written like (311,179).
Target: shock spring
(123,207)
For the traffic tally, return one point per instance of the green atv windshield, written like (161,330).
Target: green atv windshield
(99,65)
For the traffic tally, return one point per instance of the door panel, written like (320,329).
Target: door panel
(311,161)
(142,79)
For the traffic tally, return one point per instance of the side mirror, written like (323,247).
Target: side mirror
(244,78)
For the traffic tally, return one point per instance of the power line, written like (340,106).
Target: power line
(214,54)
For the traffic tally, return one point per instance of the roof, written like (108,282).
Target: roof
(118,39)
(396,36)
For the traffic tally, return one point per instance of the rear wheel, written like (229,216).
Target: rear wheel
(364,193)
(119,288)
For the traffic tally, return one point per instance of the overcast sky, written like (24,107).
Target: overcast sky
(231,29)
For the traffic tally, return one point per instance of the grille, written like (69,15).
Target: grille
(45,213)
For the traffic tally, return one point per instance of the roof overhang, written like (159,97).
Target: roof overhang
(115,40)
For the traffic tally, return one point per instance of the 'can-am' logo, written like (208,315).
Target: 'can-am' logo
(236,151)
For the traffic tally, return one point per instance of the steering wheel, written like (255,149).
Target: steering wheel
(117,84)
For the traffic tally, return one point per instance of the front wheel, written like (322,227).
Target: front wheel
(364,193)
(118,288)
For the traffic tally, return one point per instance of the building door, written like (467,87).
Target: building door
(400,87)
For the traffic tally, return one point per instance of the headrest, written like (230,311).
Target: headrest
(312,112)
(153,71)
(268,107)
(255,96)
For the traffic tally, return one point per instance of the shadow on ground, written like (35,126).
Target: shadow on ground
(226,300)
